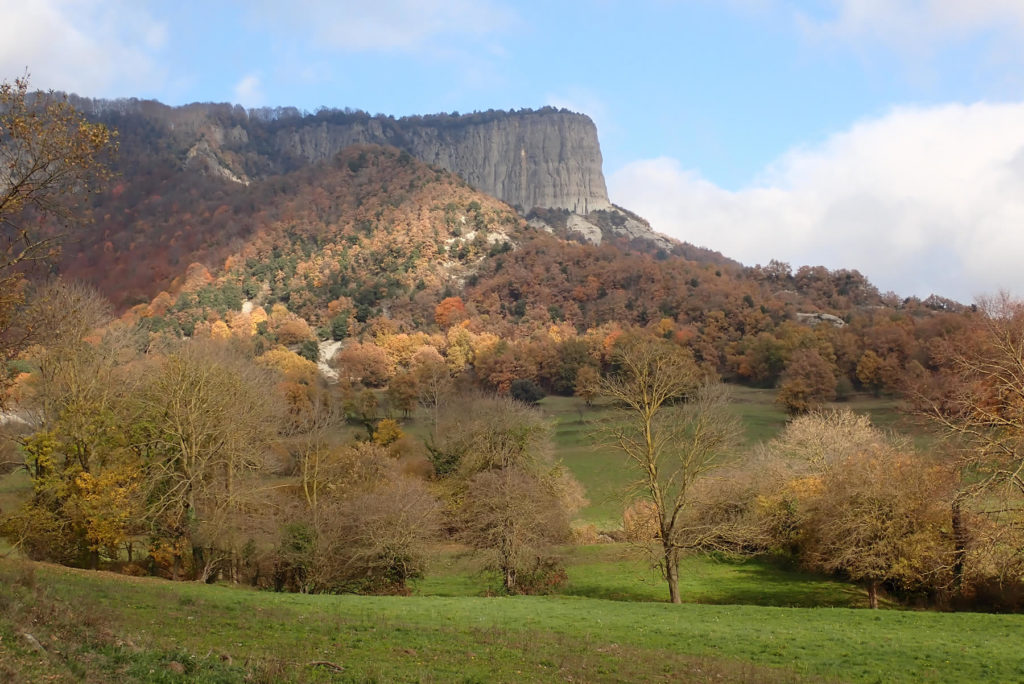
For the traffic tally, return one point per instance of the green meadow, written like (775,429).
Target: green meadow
(744,622)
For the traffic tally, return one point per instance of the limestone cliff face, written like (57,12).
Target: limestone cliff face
(548,159)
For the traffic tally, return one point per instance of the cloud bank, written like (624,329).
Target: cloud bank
(917,25)
(920,200)
(249,91)
(86,46)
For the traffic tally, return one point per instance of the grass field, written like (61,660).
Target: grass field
(619,572)
(99,627)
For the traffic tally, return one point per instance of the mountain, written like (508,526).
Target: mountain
(227,222)
(533,160)
(547,158)
(191,178)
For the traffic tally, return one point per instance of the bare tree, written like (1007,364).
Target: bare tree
(978,399)
(481,432)
(675,428)
(314,445)
(513,516)
(382,537)
(207,418)
(369,530)
(511,500)
(434,388)
(986,403)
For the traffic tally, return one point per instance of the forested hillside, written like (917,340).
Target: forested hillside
(374,240)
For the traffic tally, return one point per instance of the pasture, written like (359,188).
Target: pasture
(96,626)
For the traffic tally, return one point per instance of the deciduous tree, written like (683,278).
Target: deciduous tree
(51,159)
(675,428)
(207,419)
(808,382)
(979,399)
(851,499)
(513,516)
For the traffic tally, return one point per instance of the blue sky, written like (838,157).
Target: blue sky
(874,134)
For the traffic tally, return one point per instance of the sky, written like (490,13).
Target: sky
(885,136)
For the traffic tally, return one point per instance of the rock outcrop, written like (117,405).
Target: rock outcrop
(577,225)
(548,158)
(813,319)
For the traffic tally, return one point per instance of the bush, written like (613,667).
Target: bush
(310,350)
(526,391)
(544,576)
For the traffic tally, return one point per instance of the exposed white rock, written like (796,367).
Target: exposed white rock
(529,159)
(577,224)
(540,225)
(327,350)
(12,418)
(633,229)
(202,157)
(816,318)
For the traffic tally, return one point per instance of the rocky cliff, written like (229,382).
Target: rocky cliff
(545,163)
(549,159)
(546,158)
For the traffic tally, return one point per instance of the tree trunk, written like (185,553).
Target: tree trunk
(198,563)
(510,579)
(672,575)
(873,595)
(959,547)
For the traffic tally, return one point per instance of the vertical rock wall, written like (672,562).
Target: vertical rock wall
(544,159)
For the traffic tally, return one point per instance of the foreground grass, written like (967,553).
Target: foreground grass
(136,629)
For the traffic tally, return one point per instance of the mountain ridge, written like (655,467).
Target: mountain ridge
(547,158)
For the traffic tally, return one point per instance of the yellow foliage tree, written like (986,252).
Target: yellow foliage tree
(51,159)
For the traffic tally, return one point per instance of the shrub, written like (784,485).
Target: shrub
(526,390)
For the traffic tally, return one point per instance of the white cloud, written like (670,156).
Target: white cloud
(921,200)
(249,91)
(916,25)
(390,25)
(86,46)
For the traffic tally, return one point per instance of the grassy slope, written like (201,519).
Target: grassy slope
(223,634)
(618,572)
